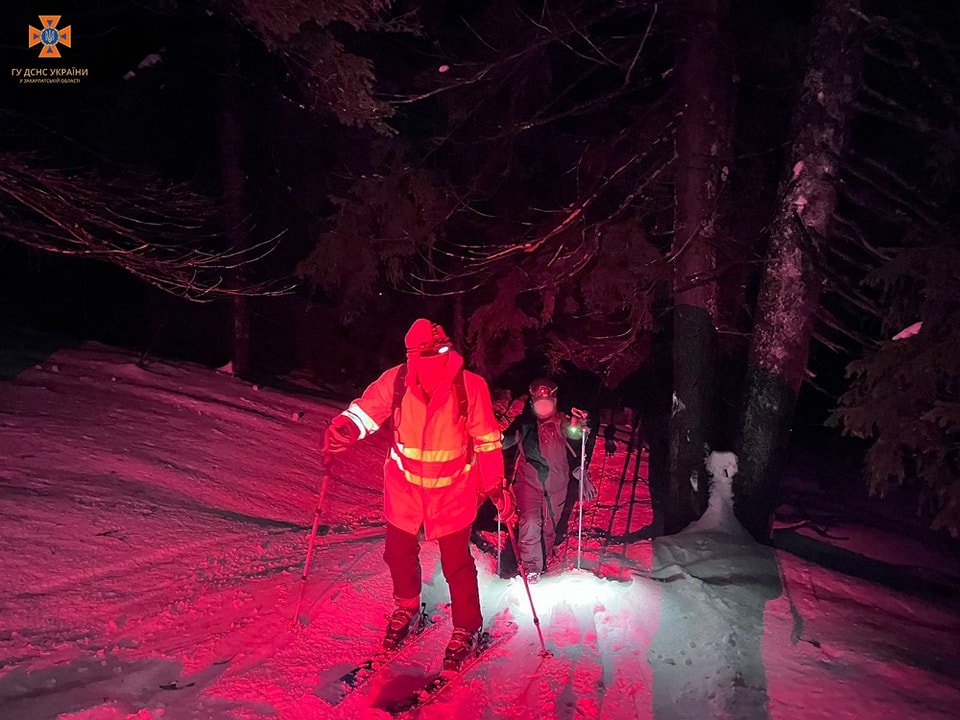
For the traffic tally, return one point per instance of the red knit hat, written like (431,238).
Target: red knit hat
(426,338)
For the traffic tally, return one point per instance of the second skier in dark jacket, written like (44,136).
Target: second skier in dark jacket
(547,459)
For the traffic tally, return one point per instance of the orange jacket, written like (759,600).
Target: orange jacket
(440,465)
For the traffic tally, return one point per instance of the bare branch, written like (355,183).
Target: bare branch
(162,234)
(643,41)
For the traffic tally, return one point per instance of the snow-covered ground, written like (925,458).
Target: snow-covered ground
(153,524)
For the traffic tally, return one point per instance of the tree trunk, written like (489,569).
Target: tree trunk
(232,187)
(791,282)
(703,149)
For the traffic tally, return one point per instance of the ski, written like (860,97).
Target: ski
(367,669)
(438,683)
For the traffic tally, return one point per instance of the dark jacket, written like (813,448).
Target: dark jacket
(523,433)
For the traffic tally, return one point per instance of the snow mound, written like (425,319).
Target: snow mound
(719,516)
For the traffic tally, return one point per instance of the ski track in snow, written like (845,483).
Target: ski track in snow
(153,526)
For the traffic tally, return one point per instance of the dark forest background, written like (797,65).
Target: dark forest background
(719,214)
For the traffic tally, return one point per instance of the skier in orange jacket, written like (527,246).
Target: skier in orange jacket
(445,458)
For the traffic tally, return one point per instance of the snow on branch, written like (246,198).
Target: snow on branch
(909,331)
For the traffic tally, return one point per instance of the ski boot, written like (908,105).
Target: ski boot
(463,645)
(533,578)
(403,621)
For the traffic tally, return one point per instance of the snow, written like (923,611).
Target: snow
(909,331)
(153,524)
(677,405)
(149,61)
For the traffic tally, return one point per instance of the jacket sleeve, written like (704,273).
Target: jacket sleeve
(511,434)
(374,407)
(487,443)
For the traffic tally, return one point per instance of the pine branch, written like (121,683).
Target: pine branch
(902,195)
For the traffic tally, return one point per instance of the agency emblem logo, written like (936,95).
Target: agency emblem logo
(49,36)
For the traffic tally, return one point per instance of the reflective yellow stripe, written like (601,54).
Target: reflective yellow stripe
(488,438)
(427,482)
(431,483)
(488,446)
(439,482)
(431,455)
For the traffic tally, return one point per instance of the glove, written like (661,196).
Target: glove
(341,433)
(506,503)
(589,491)
(516,407)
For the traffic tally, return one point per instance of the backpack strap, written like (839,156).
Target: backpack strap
(399,387)
(463,402)
(463,410)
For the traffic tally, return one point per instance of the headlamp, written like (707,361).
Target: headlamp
(439,344)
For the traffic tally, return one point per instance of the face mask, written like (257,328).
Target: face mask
(430,371)
(544,407)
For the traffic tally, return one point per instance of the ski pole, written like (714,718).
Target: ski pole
(313,533)
(498,544)
(516,466)
(523,574)
(583,469)
(502,483)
